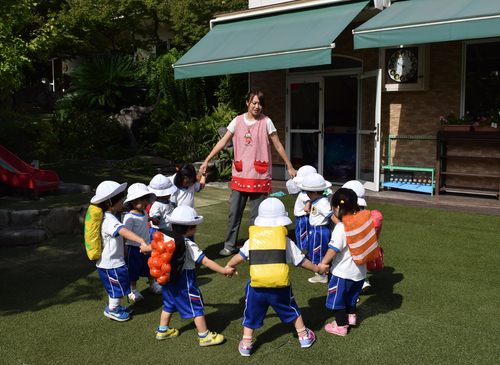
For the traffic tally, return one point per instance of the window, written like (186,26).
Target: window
(482,79)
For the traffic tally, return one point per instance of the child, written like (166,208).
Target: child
(136,220)
(163,188)
(314,185)
(301,216)
(347,277)
(111,265)
(269,283)
(185,181)
(184,295)
(359,189)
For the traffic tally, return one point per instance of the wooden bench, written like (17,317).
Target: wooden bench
(410,185)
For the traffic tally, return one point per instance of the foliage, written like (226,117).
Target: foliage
(109,83)
(190,19)
(87,132)
(189,141)
(453,119)
(25,35)
(225,166)
(141,165)
(28,137)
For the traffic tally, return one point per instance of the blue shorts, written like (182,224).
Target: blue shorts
(183,296)
(342,293)
(258,300)
(301,228)
(318,239)
(137,263)
(151,232)
(115,281)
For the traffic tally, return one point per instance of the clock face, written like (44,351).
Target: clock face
(402,65)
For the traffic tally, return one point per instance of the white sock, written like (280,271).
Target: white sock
(114,303)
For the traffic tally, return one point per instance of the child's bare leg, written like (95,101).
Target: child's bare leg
(247,331)
(298,323)
(133,283)
(165,318)
(200,324)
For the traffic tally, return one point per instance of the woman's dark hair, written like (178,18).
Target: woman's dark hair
(181,229)
(347,200)
(105,205)
(259,94)
(185,171)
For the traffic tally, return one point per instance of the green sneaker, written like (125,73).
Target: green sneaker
(169,333)
(213,338)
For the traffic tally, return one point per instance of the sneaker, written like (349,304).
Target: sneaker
(118,314)
(336,330)
(126,309)
(213,338)
(318,279)
(366,285)
(308,339)
(226,252)
(155,288)
(351,319)
(245,350)
(169,333)
(136,296)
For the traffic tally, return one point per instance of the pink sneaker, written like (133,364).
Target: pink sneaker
(308,339)
(352,319)
(336,330)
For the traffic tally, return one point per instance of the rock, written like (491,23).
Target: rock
(60,220)
(24,218)
(74,188)
(22,237)
(4,218)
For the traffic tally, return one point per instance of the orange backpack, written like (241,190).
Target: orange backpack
(361,237)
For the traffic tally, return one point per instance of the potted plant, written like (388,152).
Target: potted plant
(453,123)
(487,123)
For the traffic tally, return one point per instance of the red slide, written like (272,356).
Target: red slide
(15,172)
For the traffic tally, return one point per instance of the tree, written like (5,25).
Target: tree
(25,36)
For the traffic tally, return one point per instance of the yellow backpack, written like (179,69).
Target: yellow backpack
(92,232)
(267,255)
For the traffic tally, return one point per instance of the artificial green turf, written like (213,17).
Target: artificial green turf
(435,301)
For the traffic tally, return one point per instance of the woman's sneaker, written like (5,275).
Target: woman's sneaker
(118,314)
(351,318)
(168,333)
(336,330)
(308,339)
(136,296)
(213,338)
(245,348)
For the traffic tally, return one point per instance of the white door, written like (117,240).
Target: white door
(368,132)
(304,124)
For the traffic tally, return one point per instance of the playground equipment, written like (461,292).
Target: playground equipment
(17,173)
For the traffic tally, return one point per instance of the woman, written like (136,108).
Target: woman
(252,168)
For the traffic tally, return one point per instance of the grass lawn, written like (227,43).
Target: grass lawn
(435,301)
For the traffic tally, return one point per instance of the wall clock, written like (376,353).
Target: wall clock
(402,65)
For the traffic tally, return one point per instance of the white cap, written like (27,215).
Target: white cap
(303,172)
(272,213)
(161,186)
(107,189)
(314,182)
(184,215)
(359,189)
(138,190)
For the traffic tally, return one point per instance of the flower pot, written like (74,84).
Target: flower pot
(486,128)
(456,128)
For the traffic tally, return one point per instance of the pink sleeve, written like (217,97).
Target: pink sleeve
(377,221)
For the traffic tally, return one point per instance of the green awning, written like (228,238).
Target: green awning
(280,41)
(426,21)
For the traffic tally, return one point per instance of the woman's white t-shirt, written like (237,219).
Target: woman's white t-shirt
(270,126)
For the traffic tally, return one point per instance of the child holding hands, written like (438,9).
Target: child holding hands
(163,188)
(269,251)
(320,214)
(136,220)
(184,295)
(347,276)
(111,264)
